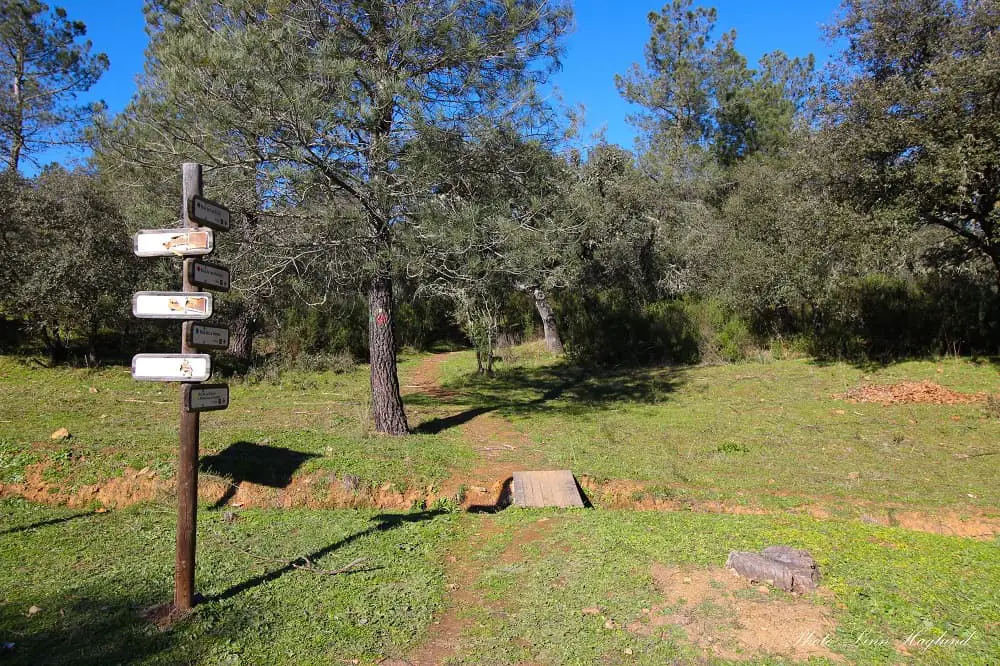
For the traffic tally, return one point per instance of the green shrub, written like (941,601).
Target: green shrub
(610,328)
(723,336)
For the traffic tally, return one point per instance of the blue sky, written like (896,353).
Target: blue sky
(609,37)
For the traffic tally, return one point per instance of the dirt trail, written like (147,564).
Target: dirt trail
(463,572)
(446,631)
(426,378)
(503,449)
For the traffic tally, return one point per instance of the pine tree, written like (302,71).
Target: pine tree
(328,109)
(43,66)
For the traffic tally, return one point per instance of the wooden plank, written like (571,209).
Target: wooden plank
(546,488)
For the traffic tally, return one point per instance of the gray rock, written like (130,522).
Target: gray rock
(785,567)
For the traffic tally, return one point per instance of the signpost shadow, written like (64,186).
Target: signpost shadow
(384,522)
(271,466)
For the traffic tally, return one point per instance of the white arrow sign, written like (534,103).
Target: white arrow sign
(172,305)
(171,367)
(202,274)
(206,337)
(173,242)
(205,397)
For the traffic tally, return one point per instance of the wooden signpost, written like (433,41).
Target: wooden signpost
(189,366)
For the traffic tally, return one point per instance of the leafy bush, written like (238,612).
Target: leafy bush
(881,318)
(723,337)
(609,328)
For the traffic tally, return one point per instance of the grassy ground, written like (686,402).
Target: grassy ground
(740,433)
(116,423)
(730,432)
(532,575)
(519,586)
(91,574)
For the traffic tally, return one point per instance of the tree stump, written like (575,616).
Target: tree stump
(785,567)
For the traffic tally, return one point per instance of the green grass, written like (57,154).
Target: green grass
(769,434)
(887,584)
(91,574)
(727,432)
(756,434)
(134,424)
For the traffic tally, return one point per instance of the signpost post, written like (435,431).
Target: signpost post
(188,367)
(187,462)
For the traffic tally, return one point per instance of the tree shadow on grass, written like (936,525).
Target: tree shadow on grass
(271,466)
(384,522)
(45,523)
(564,389)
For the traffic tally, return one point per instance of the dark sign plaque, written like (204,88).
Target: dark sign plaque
(205,397)
(209,213)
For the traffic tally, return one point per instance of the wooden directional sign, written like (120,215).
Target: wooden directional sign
(209,213)
(172,367)
(173,242)
(205,397)
(206,337)
(203,274)
(172,305)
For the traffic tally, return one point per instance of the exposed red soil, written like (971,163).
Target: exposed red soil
(484,489)
(968,522)
(729,617)
(910,392)
(426,378)
(131,487)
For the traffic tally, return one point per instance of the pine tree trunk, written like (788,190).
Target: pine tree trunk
(387,405)
(552,340)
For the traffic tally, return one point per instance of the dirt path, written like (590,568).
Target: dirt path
(446,631)
(426,378)
(502,449)
(463,573)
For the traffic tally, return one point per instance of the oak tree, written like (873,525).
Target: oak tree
(913,120)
